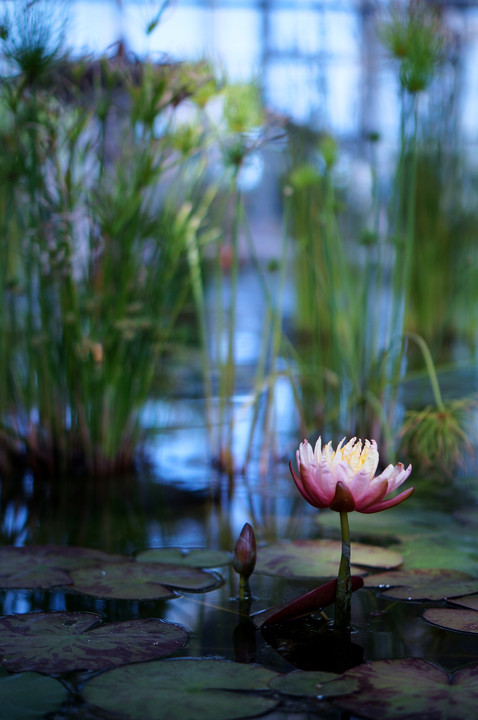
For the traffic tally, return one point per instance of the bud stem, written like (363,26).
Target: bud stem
(244,589)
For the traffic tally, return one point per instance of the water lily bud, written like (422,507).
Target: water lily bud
(244,560)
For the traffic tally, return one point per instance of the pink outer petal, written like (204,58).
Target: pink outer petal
(305,454)
(375,492)
(301,487)
(398,477)
(395,474)
(319,485)
(389,503)
(309,490)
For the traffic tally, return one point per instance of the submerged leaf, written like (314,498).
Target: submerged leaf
(60,642)
(411,689)
(195,689)
(319,558)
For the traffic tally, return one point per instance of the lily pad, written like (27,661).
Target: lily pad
(60,642)
(46,566)
(313,684)
(424,584)
(319,558)
(29,696)
(196,689)
(468,601)
(305,604)
(411,689)
(142,581)
(191,557)
(396,523)
(457,619)
(424,537)
(452,548)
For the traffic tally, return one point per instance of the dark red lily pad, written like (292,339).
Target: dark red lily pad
(61,642)
(191,557)
(423,584)
(320,558)
(312,601)
(313,684)
(457,619)
(411,689)
(29,696)
(188,688)
(142,581)
(45,566)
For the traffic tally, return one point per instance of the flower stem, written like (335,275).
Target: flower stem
(344,583)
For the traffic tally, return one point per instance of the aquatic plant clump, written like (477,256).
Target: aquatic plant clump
(97,205)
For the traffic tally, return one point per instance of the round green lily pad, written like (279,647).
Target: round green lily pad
(29,696)
(457,619)
(142,581)
(411,689)
(191,557)
(423,584)
(191,689)
(45,566)
(313,684)
(319,558)
(61,642)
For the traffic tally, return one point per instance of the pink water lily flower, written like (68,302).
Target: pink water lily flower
(344,479)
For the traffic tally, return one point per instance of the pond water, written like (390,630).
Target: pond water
(179,499)
(436,528)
